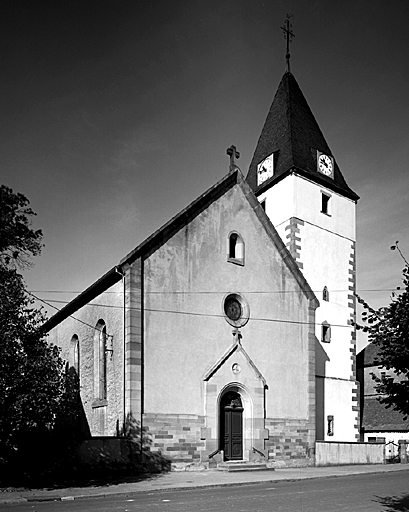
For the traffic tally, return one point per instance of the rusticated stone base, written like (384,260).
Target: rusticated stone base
(290,442)
(177,436)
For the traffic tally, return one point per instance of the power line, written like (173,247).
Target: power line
(70,316)
(207,315)
(360,290)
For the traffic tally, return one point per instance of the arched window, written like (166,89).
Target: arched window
(325,294)
(100,361)
(235,248)
(75,354)
(325,332)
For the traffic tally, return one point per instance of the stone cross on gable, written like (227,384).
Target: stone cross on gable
(233,153)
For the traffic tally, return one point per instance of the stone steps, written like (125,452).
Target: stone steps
(242,465)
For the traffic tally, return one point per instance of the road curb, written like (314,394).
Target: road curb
(12,500)
(128,492)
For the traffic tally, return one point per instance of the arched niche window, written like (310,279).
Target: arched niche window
(325,332)
(330,424)
(75,354)
(100,361)
(325,294)
(235,248)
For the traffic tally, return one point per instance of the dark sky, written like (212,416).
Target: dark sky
(117,114)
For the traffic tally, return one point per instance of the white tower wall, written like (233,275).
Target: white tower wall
(323,244)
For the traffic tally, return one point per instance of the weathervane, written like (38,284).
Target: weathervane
(233,153)
(288,35)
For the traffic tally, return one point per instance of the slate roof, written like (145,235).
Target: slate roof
(368,356)
(376,417)
(293,134)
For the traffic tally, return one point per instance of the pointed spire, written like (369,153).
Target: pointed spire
(293,135)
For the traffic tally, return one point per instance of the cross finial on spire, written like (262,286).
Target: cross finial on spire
(288,35)
(233,153)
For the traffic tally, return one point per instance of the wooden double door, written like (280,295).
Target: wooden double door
(231,426)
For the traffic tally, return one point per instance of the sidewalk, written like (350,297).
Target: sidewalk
(190,479)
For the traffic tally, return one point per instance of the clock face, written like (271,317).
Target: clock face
(265,169)
(325,165)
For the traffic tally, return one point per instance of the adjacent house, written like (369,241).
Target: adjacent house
(378,423)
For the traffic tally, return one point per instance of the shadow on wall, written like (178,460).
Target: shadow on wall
(140,443)
(128,452)
(321,359)
(71,421)
(393,503)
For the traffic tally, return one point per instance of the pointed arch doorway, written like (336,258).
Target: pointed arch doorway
(231,426)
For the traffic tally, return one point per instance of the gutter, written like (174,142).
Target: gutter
(101,285)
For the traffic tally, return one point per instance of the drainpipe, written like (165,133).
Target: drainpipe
(119,271)
(142,348)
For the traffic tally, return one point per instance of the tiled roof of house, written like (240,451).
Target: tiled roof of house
(376,417)
(293,135)
(368,356)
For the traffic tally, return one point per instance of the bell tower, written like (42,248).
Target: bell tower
(296,178)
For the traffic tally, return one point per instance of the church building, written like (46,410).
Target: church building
(227,333)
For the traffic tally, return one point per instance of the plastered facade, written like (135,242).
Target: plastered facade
(105,417)
(173,354)
(323,244)
(186,333)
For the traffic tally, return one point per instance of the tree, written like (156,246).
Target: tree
(18,242)
(388,329)
(31,370)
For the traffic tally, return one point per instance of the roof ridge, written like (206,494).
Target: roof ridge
(289,104)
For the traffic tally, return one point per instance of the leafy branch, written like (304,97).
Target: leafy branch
(388,330)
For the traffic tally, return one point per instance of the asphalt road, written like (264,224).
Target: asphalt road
(357,493)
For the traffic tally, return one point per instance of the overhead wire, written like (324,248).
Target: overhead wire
(176,292)
(70,316)
(209,315)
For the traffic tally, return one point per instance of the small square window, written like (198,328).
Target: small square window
(325,203)
(325,333)
(330,420)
